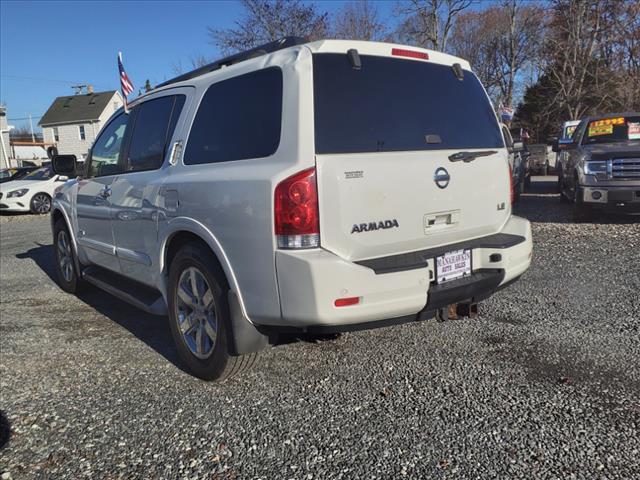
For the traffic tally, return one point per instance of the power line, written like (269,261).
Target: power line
(41,79)
(13,119)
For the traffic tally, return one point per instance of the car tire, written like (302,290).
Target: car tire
(581,212)
(40,204)
(65,259)
(199,315)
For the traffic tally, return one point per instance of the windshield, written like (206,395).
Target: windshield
(40,174)
(398,105)
(6,173)
(612,130)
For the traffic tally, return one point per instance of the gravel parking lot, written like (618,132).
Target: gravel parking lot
(546,384)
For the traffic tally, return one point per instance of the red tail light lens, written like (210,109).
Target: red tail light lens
(297,222)
(346,302)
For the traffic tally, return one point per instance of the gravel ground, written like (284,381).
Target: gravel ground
(546,384)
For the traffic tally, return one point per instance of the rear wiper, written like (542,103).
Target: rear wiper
(467,157)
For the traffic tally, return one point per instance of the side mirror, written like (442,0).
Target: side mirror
(64,165)
(62,178)
(565,144)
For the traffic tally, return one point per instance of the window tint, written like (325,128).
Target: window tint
(105,154)
(238,119)
(394,104)
(155,121)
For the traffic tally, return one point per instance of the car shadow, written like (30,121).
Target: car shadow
(153,330)
(541,204)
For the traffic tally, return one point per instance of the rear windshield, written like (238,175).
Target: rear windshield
(612,130)
(398,105)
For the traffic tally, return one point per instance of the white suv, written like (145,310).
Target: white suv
(309,187)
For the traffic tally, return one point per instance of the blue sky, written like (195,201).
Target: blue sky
(47,46)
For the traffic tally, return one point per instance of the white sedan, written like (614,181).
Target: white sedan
(32,193)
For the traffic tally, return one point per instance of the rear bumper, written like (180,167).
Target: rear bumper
(622,199)
(310,281)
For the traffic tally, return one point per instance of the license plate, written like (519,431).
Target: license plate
(453,265)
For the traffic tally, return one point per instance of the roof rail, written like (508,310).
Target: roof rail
(237,58)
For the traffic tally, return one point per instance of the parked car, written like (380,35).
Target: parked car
(538,158)
(14,173)
(601,169)
(32,193)
(517,162)
(304,187)
(565,138)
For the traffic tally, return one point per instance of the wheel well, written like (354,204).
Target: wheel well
(56,215)
(179,240)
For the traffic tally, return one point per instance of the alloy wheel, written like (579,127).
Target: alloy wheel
(195,312)
(41,203)
(65,258)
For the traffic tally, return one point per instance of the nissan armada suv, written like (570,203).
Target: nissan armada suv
(297,187)
(600,169)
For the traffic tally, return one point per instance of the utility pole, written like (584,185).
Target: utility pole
(33,138)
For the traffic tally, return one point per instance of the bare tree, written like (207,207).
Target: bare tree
(266,21)
(518,45)
(500,42)
(428,23)
(358,20)
(579,74)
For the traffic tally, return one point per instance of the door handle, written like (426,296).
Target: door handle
(105,192)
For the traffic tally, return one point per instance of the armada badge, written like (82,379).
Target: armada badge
(371,226)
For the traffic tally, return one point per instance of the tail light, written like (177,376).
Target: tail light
(297,222)
(512,191)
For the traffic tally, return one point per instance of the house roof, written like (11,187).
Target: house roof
(77,108)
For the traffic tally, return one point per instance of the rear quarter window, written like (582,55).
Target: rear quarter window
(238,119)
(393,105)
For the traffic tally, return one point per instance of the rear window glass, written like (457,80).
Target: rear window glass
(238,119)
(396,105)
(611,130)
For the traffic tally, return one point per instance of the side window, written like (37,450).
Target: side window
(237,119)
(155,121)
(106,151)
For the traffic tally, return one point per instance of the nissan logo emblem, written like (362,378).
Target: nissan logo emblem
(441,177)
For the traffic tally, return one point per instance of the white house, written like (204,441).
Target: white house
(73,122)
(4,139)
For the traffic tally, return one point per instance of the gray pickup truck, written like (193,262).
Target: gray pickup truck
(601,169)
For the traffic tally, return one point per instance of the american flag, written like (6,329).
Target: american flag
(125,83)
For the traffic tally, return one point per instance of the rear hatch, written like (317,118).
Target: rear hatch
(383,135)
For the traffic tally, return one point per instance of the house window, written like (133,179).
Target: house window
(56,136)
(81,131)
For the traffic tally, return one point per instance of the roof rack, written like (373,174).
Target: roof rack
(270,47)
